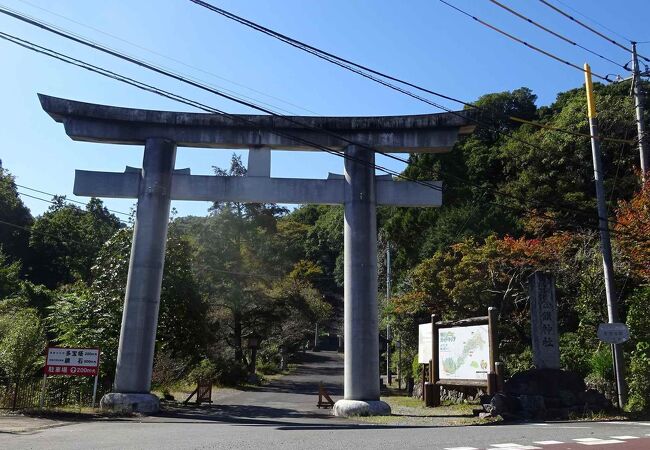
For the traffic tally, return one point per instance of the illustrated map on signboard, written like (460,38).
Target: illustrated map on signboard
(464,352)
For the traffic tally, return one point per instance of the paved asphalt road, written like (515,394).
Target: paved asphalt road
(283,415)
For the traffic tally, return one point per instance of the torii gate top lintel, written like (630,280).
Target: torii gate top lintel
(425,133)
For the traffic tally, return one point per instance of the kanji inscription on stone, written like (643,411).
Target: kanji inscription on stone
(543,318)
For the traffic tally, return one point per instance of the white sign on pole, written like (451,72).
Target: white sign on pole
(613,333)
(72,361)
(425,344)
(464,353)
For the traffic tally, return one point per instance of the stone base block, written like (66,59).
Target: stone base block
(351,408)
(130,403)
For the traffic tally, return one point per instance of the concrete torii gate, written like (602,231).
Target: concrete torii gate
(157,183)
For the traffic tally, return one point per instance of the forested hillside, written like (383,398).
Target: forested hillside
(517,198)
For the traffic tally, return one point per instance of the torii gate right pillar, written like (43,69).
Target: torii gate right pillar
(361,391)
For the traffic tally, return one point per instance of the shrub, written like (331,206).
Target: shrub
(601,363)
(518,362)
(206,370)
(167,371)
(572,354)
(22,342)
(267,367)
(416,368)
(639,378)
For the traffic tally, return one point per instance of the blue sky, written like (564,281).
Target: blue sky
(423,41)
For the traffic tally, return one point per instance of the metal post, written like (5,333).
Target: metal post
(95,391)
(492,336)
(605,245)
(389,378)
(435,368)
(638,106)
(316,338)
(42,401)
(399,365)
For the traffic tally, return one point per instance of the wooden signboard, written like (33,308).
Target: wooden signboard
(203,393)
(463,354)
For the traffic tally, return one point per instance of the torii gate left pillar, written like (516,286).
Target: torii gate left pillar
(359,190)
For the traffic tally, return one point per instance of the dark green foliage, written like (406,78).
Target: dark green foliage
(205,370)
(638,320)
(639,378)
(14,217)
(67,239)
(573,355)
(9,277)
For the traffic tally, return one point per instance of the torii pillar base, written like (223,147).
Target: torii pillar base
(361,332)
(352,408)
(126,403)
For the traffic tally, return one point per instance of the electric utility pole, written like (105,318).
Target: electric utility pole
(638,106)
(605,245)
(389,377)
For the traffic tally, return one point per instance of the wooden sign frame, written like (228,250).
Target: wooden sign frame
(434,370)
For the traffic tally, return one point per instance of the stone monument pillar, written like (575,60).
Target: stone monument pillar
(142,299)
(361,332)
(543,319)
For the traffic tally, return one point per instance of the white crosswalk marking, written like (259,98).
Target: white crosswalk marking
(624,437)
(596,441)
(548,442)
(512,446)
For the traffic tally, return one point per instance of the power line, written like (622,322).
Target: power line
(169,58)
(107,73)
(193,103)
(112,52)
(367,72)
(52,202)
(559,36)
(198,105)
(607,38)
(593,20)
(68,199)
(179,98)
(521,41)
(55,237)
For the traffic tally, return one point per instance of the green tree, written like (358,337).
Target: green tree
(9,277)
(66,240)
(14,219)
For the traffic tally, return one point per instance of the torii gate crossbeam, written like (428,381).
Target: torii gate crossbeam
(157,183)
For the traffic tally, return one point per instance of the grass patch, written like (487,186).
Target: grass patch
(411,411)
(73,413)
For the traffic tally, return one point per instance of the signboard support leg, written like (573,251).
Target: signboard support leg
(43,387)
(435,369)
(95,391)
(492,378)
(499,369)
(424,379)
